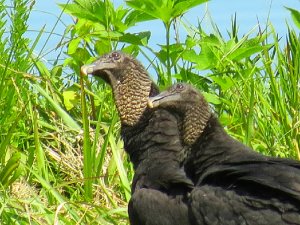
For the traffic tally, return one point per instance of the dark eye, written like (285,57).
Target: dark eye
(115,55)
(179,86)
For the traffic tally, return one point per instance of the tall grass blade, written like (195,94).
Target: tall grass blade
(69,121)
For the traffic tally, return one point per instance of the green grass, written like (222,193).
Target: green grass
(62,158)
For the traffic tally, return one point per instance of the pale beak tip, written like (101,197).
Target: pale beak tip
(150,104)
(87,69)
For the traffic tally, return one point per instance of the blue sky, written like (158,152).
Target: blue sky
(248,14)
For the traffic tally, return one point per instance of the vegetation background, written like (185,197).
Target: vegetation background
(62,159)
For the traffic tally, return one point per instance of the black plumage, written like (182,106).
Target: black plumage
(233,183)
(152,140)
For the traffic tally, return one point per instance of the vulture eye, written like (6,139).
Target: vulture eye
(179,87)
(115,55)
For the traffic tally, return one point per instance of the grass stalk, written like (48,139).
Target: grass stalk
(87,163)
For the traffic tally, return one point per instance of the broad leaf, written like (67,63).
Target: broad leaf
(205,60)
(212,98)
(165,10)
(244,48)
(136,39)
(71,98)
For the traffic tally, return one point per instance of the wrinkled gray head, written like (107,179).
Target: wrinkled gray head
(110,67)
(129,80)
(178,96)
(191,106)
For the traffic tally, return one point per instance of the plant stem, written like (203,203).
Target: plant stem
(167,25)
(87,168)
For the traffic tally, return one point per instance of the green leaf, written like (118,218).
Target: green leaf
(42,68)
(81,55)
(79,11)
(212,98)
(182,6)
(141,38)
(205,60)
(69,121)
(136,16)
(104,13)
(198,80)
(56,71)
(73,45)
(175,51)
(245,48)
(93,10)
(242,53)
(154,8)
(165,10)
(9,169)
(208,57)
(102,46)
(120,166)
(225,82)
(295,16)
(190,42)
(71,98)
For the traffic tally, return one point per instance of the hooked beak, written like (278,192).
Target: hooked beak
(162,98)
(97,67)
(87,69)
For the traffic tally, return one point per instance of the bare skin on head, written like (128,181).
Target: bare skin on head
(126,76)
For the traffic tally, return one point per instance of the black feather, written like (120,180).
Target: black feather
(234,184)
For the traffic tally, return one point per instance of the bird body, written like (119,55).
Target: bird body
(151,139)
(156,152)
(188,170)
(233,183)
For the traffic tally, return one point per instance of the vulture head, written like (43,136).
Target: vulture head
(129,80)
(189,104)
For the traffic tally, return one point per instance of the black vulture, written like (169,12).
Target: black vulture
(233,183)
(152,140)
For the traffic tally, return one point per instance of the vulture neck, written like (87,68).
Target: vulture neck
(195,121)
(131,94)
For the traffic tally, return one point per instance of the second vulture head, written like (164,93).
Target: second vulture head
(190,105)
